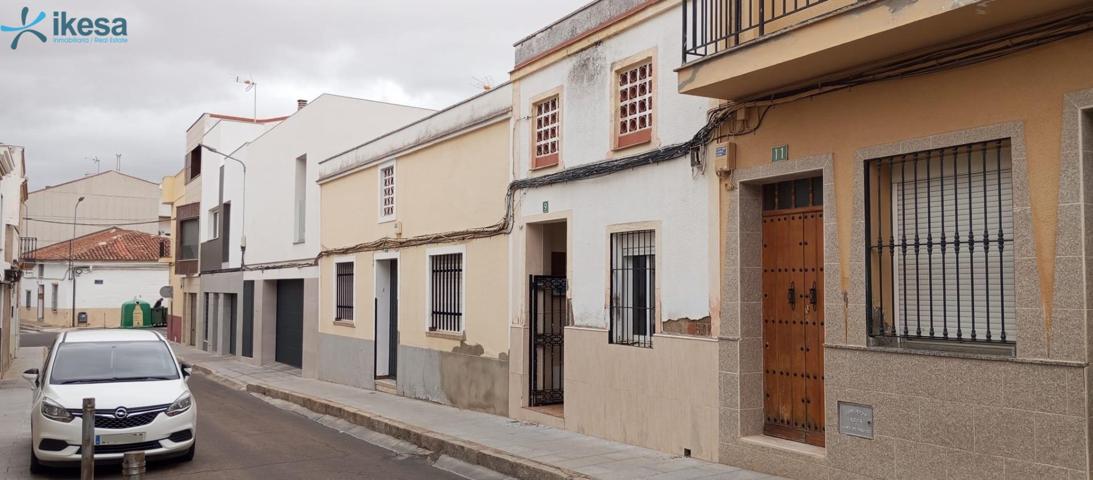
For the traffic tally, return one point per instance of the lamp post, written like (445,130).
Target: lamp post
(243,214)
(72,271)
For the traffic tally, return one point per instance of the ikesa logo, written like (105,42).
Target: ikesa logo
(69,29)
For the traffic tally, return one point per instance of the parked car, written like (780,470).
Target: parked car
(142,401)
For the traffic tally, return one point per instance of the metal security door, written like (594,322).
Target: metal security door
(547,320)
(290,322)
(793,319)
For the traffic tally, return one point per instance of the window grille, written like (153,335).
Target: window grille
(387,192)
(633,288)
(343,291)
(546,133)
(446,292)
(939,237)
(635,100)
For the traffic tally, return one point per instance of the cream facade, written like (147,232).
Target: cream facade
(991,381)
(611,289)
(413,270)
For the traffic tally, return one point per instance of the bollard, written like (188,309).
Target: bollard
(132,467)
(87,443)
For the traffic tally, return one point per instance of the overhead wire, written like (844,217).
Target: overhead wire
(733,119)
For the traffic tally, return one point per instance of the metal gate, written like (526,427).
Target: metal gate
(290,323)
(548,317)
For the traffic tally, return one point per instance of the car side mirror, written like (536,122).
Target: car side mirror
(31,375)
(187,369)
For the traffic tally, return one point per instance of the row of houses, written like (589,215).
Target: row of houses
(821,239)
(13,195)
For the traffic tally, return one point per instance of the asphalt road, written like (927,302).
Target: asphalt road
(242,437)
(36,339)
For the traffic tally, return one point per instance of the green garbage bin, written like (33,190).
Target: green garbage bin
(136,314)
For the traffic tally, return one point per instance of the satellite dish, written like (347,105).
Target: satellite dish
(166,291)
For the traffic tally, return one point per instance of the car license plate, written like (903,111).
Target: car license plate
(119,438)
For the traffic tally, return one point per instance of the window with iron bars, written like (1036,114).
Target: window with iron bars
(633,288)
(343,291)
(939,242)
(446,292)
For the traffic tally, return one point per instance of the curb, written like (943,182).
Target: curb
(438,443)
(225,381)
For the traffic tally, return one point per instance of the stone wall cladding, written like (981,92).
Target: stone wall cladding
(936,415)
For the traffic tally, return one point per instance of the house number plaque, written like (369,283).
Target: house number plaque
(856,420)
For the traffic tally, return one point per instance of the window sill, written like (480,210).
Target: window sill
(446,335)
(954,354)
(345,323)
(385,220)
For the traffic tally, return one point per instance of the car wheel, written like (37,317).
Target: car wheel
(189,456)
(35,466)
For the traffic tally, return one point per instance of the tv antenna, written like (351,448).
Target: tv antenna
(250,85)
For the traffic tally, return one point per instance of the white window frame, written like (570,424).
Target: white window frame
(380,195)
(429,254)
(333,299)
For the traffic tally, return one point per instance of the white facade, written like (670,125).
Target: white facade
(283,225)
(228,136)
(670,195)
(329,125)
(98,284)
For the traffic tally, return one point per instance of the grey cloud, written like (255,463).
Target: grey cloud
(69,102)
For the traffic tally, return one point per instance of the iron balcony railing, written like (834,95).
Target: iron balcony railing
(710,26)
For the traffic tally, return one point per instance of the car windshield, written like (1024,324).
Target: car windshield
(102,362)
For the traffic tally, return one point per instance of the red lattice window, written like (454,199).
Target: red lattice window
(635,94)
(547,124)
(387,192)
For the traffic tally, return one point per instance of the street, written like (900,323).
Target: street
(239,436)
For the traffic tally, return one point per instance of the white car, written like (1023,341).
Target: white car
(142,402)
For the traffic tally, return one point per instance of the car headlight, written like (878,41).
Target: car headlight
(183,403)
(54,411)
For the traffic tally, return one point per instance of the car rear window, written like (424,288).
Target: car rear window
(102,362)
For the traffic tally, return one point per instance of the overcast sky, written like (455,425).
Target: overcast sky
(69,103)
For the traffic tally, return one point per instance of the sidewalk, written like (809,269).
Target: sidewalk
(514,448)
(15,397)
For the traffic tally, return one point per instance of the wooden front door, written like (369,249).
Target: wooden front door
(793,320)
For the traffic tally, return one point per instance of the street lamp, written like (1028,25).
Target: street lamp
(72,271)
(243,213)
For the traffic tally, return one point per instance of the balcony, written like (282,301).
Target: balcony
(213,255)
(27,246)
(740,49)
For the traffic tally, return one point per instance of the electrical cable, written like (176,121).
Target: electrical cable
(727,115)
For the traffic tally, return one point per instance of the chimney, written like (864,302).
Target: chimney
(300,104)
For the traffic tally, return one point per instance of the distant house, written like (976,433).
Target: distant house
(112,266)
(110,198)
